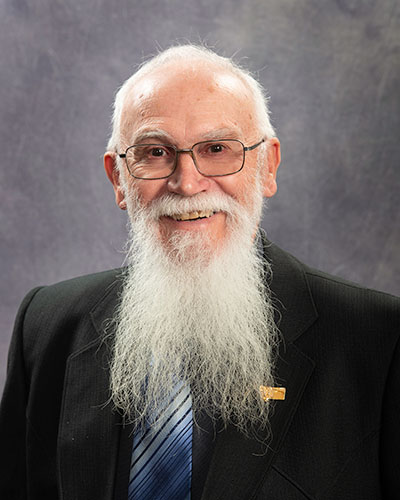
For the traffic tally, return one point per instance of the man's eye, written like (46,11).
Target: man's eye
(157,152)
(216,148)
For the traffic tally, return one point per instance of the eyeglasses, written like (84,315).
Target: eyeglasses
(214,158)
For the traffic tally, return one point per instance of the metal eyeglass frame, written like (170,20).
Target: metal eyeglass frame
(189,150)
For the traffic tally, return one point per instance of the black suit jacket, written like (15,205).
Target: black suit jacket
(336,436)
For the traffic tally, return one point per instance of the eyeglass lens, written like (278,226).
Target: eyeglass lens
(152,161)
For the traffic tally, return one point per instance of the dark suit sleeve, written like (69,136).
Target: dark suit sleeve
(12,415)
(390,434)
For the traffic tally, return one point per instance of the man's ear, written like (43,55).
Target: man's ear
(114,177)
(273,159)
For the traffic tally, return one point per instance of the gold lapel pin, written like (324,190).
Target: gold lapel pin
(268,392)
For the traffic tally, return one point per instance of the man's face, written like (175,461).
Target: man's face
(182,107)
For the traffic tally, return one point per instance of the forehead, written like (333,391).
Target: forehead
(189,102)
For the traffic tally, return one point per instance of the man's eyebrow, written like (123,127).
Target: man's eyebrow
(221,133)
(159,136)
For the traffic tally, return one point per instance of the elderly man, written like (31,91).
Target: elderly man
(215,365)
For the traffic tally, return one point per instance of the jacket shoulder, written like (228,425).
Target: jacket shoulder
(320,282)
(76,294)
(358,298)
(57,318)
(337,301)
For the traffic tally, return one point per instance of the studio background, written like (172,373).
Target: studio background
(332,69)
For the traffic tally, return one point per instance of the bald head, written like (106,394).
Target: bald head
(187,97)
(188,62)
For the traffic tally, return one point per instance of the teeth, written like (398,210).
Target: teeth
(193,215)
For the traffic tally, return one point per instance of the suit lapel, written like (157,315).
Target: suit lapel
(89,431)
(239,464)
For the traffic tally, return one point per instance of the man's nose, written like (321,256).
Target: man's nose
(186,179)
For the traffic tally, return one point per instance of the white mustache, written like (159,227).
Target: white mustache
(172,204)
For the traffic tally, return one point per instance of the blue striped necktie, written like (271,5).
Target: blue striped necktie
(161,465)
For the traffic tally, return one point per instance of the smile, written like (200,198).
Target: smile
(202,214)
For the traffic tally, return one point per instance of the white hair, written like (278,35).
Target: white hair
(193,54)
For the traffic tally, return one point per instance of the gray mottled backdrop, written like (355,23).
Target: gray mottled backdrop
(331,67)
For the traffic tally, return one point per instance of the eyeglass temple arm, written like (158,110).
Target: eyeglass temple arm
(250,148)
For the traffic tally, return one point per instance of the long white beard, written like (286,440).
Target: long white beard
(194,313)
